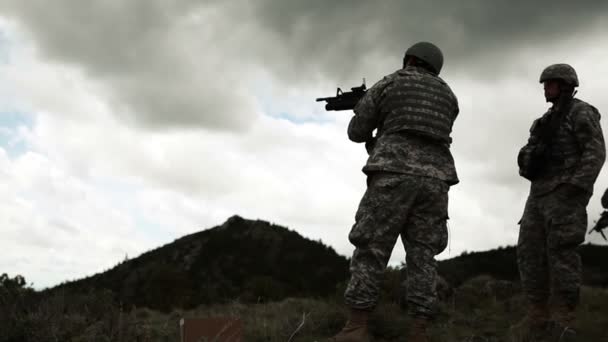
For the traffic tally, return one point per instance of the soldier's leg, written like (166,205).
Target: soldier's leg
(378,222)
(532,254)
(567,229)
(424,236)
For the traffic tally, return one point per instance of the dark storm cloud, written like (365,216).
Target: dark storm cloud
(188,63)
(158,61)
(322,35)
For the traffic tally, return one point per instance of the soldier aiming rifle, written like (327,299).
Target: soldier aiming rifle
(409,172)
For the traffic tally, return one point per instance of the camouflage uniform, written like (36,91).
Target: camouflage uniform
(410,169)
(555,218)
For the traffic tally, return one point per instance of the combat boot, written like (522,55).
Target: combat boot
(533,326)
(355,329)
(561,327)
(418,330)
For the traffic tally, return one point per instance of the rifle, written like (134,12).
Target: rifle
(601,224)
(541,154)
(344,100)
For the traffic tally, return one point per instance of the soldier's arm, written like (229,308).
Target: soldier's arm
(365,120)
(534,137)
(525,157)
(535,130)
(455,105)
(590,139)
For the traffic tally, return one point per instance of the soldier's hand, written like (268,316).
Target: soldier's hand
(605,199)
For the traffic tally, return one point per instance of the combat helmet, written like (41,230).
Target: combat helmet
(562,72)
(427,52)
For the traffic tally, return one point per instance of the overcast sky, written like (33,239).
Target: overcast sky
(127,124)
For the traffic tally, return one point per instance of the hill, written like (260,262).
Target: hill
(501,264)
(256,261)
(243,260)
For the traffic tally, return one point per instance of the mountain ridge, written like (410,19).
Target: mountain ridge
(255,260)
(246,260)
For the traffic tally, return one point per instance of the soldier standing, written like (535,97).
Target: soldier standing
(409,172)
(562,159)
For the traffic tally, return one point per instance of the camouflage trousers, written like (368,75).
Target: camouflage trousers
(414,208)
(551,228)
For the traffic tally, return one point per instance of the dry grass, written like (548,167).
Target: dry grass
(479,311)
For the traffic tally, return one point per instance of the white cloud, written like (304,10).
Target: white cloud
(55,226)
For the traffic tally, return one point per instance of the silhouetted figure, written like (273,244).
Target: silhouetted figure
(410,170)
(562,159)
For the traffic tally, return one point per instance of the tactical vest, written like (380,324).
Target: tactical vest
(419,102)
(565,151)
(556,148)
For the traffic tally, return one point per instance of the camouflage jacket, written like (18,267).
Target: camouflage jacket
(398,149)
(578,151)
